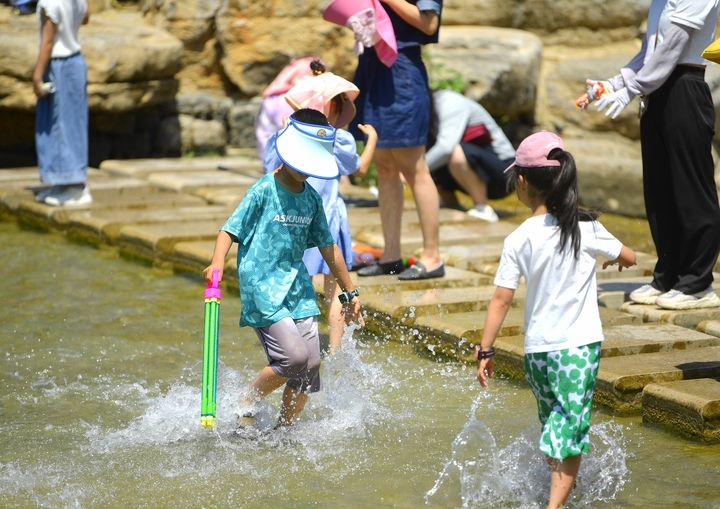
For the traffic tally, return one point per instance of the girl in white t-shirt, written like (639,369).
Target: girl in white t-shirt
(556,252)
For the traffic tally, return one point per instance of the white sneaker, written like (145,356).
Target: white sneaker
(69,196)
(646,294)
(41,195)
(483,212)
(675,299)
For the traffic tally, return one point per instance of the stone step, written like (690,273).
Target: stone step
(690,406)
(469,232)
(191,181)
(103,227)
(230,196)
(620,340)
(622,378)
(364,218)
(457,333)
(406,306)
(454,278)
(44,217)
(141,168)
(154,243)
(194,256)
(691,318)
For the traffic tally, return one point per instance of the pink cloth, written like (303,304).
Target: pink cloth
(295,70)
(370,23)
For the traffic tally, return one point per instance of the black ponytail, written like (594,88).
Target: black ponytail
(557,187)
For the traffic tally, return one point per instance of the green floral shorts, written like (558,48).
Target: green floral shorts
(563,382)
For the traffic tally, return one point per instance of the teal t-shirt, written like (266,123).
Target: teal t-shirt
(273,227)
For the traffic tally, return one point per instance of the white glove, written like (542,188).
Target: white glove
(615,102)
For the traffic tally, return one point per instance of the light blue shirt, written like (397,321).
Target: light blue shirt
(273,227)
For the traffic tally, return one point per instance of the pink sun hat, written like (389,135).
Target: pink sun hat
(316,92)
(370,23)
(534,150)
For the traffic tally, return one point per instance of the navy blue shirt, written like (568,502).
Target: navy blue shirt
(407,35)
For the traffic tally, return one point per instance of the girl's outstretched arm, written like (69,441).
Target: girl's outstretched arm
(369,150)
(624,260)
(497,310)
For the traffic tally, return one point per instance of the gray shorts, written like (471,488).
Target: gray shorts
(292,348)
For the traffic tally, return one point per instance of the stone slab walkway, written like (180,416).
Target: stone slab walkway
(660,364)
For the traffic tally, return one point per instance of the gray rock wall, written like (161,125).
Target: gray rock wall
(168,77)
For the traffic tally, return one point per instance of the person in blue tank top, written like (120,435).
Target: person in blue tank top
(280,217)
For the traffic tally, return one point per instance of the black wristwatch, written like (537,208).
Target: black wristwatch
(346,297)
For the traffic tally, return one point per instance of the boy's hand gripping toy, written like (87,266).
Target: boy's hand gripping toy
(210,352)
(595,90)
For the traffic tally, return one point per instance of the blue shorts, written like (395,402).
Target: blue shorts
(394,100)
(563,383)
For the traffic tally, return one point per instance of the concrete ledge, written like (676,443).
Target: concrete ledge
(690,406)
(230,196)
(189,182)
(154,243)
(651,338)
(405,307)
(469,232)
(101,226)
(194,256)
(454,278)
(690,318)
(621,379)
(141,168)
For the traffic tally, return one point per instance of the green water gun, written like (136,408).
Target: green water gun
(210,352)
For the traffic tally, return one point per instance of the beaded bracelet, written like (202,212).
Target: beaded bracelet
(484,354)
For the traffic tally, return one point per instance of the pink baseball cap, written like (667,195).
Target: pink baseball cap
(533,151)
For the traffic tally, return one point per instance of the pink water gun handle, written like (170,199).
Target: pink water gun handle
(213,291)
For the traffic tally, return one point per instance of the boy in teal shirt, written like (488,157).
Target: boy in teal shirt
(277,220)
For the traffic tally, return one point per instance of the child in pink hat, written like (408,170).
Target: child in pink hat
(275,110)
(556,252)
(334,96)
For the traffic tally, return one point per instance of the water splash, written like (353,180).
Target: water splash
(481,474)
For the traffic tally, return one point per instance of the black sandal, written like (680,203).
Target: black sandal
(381,269)
(419,271)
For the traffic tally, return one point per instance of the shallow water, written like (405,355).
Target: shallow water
(100,403)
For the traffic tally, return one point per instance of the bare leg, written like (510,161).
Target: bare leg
(335,317)
(466,177)
(390,200)
(266,382)
(562,479)
(412,165)
(293,403)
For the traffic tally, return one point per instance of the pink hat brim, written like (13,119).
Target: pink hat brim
(316,92)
